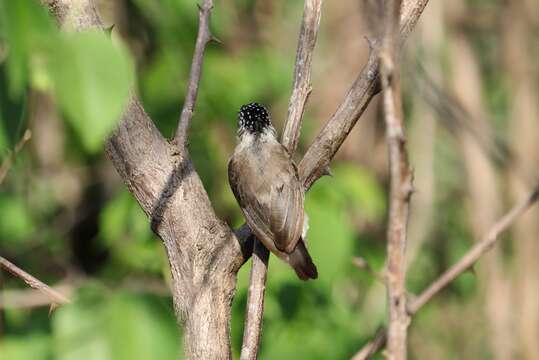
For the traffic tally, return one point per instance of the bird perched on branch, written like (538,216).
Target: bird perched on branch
(266,184)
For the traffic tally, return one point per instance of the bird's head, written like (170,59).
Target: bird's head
(254,119)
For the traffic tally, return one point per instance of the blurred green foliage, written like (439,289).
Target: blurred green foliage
(70,217)
(89,76)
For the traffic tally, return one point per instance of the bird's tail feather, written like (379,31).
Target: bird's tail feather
(302,262)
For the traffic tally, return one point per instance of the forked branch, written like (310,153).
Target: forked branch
(466,262)
(316,161)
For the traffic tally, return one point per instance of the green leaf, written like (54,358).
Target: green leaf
(78,332)
(116,326)
(16,223)
(125,229)
(139,329)
(92,78)
(360,190)
(330,239)
(29,32)
(29,347)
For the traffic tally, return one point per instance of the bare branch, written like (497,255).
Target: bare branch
(54,296)
(400,185)
(302,76)
(312,12)
(255,303)
(478,250)
(319,155)
(204,36)
(362,264)
(466,262)
(373,346)
(8,161)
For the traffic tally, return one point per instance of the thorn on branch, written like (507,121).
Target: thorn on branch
(215,39)
(373,43)
(327,171)
(108,30)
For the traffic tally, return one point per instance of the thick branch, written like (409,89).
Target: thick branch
(203,37)
(466,262)
(400,185)
(54,296)
(203,252)
(316,161)
(300,92)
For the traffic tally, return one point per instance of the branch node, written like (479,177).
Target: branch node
(373,43)
(215,39)
(327,171)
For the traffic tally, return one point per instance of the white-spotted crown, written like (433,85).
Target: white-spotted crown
(253,118)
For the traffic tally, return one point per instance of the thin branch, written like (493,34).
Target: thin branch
(373,346)
(362,264)
(255,303)
(316,161)
(301,89)
(55,296)
(8,161)
(204,36)
(302,73)
(400,185)
(466,262)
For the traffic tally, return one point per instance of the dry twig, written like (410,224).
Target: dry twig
(8,161)
(302,73)
(204,36)
(54,296)
(400,185)
(466,262)
(316,161)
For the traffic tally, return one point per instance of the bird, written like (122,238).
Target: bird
(266,185)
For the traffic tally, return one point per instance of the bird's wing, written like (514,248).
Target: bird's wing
(271,202)
(254,207)
(286,202)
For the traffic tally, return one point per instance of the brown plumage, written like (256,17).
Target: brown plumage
(265,182)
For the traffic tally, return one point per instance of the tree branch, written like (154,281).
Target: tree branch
(8,161)
(55,297)
(301,89)
(204,36)
(255,303)
(310,24)
(203,252)
(466,262)
(316,161)
(400,185)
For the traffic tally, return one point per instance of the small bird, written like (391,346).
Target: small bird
(266,185)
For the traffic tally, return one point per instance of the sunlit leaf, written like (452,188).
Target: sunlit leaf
(16,223)
(29,347)
(29,32)
(92,78)
(118,326)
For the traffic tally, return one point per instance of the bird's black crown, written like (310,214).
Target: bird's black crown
(253,118)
